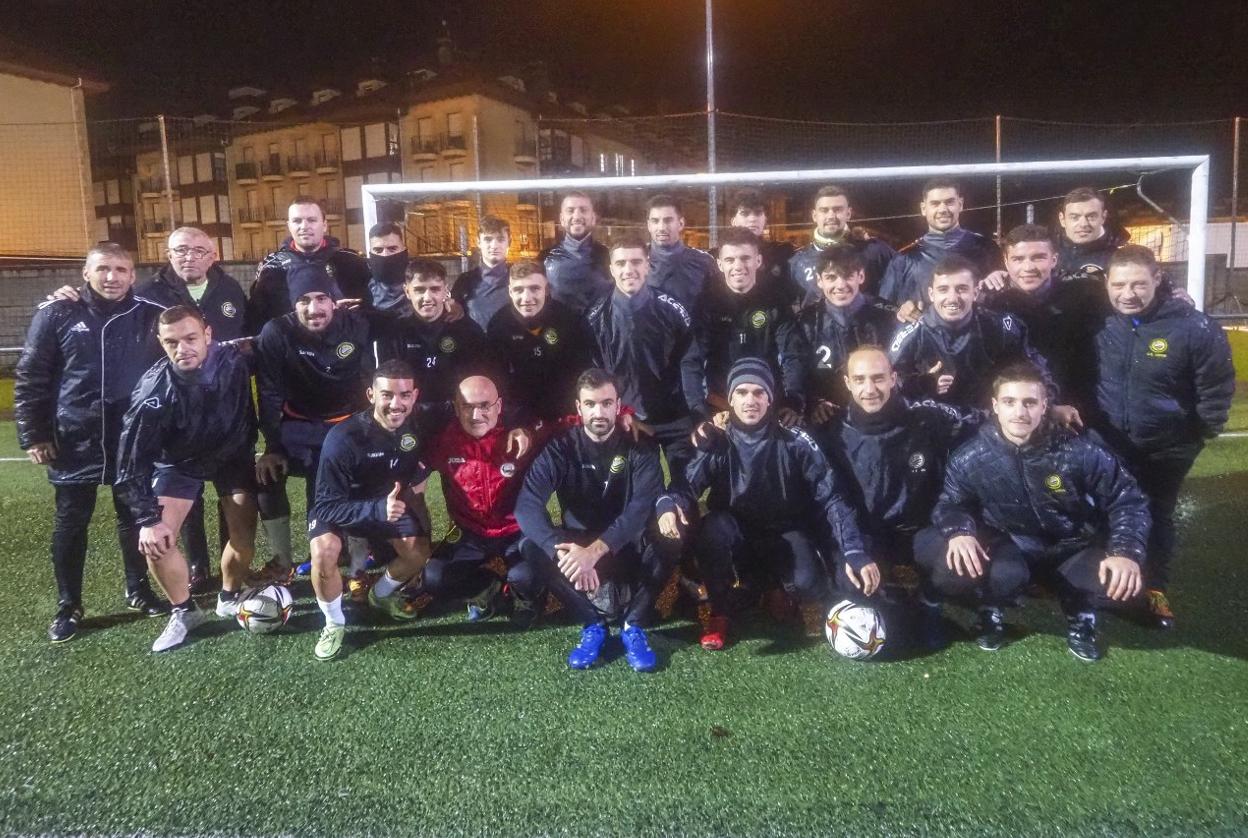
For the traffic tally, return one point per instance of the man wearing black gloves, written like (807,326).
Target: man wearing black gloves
(645,338)
(773,501)
(577,265)
(908,276)
(441,350)
(191,420)
(312,367)
(192,278)
(832,213)
(1025,498)
(541,345)
(387,268)
(1164,382)
(843,319)
(607,485)
(308,242)
(370,484)
(895,451)
(80,364)
(676,269)
(952,351)
(742,318)
(482,291)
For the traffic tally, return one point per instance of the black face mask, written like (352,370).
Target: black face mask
(389,270)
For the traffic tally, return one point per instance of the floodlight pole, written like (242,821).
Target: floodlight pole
(1234,201)
(712,194)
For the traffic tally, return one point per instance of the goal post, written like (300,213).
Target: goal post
(1196,165)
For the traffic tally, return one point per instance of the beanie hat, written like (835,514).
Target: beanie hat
(308,278)
(752,371)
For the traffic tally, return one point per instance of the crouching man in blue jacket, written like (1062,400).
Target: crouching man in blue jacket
(1025,498)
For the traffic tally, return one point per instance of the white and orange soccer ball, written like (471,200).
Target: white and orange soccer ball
(855,631)
(264,610)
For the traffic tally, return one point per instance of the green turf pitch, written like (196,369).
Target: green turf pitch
(441,728)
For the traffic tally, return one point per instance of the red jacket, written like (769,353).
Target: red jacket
(480,480)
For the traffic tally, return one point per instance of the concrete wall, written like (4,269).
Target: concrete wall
(46,206)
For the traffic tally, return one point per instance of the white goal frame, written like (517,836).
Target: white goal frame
(1198,164)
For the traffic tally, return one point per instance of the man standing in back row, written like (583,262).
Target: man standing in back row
(577,265)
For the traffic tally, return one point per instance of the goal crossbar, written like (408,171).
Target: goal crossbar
(1198,164)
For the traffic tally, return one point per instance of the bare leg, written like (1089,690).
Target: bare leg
(326,580)
(236,556)
(413,554)
(171,570)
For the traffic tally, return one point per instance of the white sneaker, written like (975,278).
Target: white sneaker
(180,624)
(227,608)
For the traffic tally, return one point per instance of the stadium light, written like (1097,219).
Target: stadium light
(1198,164)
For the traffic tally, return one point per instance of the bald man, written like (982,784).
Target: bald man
(895,451)
(482,464)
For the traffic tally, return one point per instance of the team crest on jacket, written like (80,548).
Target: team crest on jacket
(917,461)
(228,309)
(447,344)
(1158,347)
(617,464)
(550,336)
(407,442)
(758,319)
(345,349)
(453,536)
(507,469)
(1054,484)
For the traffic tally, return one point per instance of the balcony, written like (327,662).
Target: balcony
(437,245)
(454,146)
(156,228)
(526,152)
(326,162)
(246,174)
(275,216)
(152,187)
(250,217)
(333,207)
(527,201)
(424,149)
(271,169)
(299,166)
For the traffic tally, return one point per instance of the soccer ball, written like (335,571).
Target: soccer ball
(855,631)
(263,610)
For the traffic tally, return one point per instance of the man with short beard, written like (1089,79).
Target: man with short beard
(577,265)
(909,275)
(308,242)
(831,213)
(772,493)
(191,420)
(1025,499)
(607,484)
(387,267)
(370,484)
(679,270)
(541,345)
(834,326)
(952,351)
(482,291)
(1164,379)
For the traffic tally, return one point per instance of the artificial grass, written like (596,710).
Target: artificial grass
(445,728)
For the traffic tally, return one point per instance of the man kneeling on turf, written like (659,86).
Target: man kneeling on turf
(1026,498)
(607,484)
(772,497)
(482,465)
(370,483)
(191,419)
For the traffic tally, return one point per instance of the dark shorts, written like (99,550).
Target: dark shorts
(302,440)
(409,526)
(237,476)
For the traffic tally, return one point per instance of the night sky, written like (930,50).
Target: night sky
(836,60)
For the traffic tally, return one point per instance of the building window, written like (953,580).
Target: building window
(457,171)
(602,162)
(190,215)
(218,168)
(186,169)
(426,174)
(98,188)
(203,167)
(455,124)
(351,144)
(375,140)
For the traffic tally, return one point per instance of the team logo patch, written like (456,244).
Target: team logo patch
(447,344)
(453,536)
(228,309)
(407,442)
(617,464)
(917,461)
(758,319)
(507,469)
(1054,483)
(79,327)
(153,403)
(1157,348)
(550,336)
(1007,323)
(344,349)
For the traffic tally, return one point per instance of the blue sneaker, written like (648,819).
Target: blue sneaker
(304,569)
(585,654)
(637,649)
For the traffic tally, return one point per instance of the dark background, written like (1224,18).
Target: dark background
(836,60)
